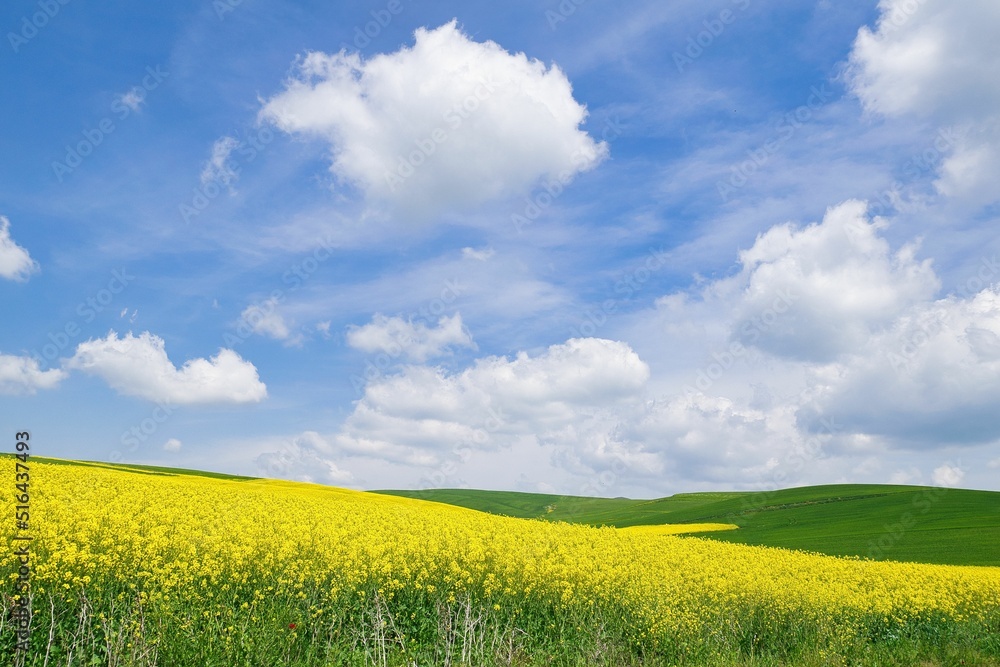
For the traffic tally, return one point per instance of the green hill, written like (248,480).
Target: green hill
(883,522)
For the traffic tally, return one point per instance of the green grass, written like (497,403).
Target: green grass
(883,522)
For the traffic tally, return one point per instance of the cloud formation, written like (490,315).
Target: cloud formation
(15,262)
(931,379)
(139,366)
(827,343)
(305,458)
(948,475)
(445,124)
(821,291)
(560,398)
(218,168)
(496,399)
(414,341)
(265,320)
(22,375)
(936,60)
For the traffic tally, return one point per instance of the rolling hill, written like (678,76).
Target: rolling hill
(882,522)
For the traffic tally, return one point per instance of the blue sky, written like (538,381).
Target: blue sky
(566,247)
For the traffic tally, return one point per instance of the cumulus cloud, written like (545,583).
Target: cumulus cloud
(948,475)
(172,445)
(415,341)
(447,123)
(936,59)
(22,375)
(859,323)
(139,366)
(218,168)
(826,324)
(714,438)
(306,458)
(835,347)
(15,262)
(822,291)
(917,58)
(551,397)
(932,378)
(584,405)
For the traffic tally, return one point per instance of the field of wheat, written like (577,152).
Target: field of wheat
(136,568)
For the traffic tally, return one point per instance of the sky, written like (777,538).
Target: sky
(567,246)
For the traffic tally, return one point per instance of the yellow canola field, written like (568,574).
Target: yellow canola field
(678,528)
(209,541)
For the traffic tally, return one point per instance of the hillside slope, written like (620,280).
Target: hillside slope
(883,522)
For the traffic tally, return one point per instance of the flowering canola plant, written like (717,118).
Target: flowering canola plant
(198,547)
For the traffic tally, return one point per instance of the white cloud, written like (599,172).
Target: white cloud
(821,291)
(172,445)
(948,475)
(22,375)
(139,366)
(936,59)
(415,341)
(305,458)
(858,340)
(134,98)
(814,395)
(582,410)
(264,319)
(933,377)
(705,437)
(478,255)
(447,123)
(917,59)
(554,398)
(218,167)
(15,262)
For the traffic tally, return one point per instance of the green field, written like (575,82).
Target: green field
(883,522)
